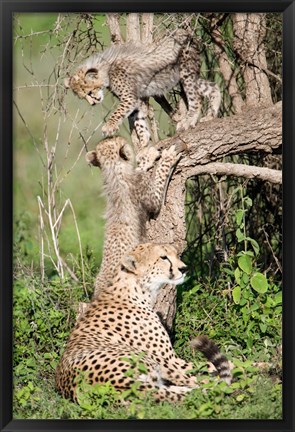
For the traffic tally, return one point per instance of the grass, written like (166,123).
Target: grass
(44,316)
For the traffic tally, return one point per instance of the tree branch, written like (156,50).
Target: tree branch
(133,28)
(253,131)
(114,27)
(239,170)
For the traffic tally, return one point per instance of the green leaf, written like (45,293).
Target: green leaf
(228,271)
(254,245)
(249,342)
(278,298)
(247,293)
(245,279)
(243,302)
(142,368)
(259,283)
(240,397)
(237,294)
(245,263)
(239,216)
(263,327)
(240,235)
(254,307)
(248,201)
(248,252)
(237,275)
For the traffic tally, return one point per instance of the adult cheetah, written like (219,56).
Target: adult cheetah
(121,323)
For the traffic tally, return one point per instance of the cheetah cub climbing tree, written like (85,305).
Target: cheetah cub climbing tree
(134,195)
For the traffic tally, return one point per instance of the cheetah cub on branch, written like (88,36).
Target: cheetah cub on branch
(121,323)
(134,72)
(134,196)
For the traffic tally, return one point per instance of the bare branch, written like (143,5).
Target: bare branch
(239,170)
(229,75)
(133,28)
(147,22)
(80,246)
(114,27)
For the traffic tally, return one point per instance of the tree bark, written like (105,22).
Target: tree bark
(228,74)
(255,130)
(258,130)
(114,28)
(249,32)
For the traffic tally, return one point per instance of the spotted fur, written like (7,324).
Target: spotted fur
(121,324)
(134,72)
(134,195)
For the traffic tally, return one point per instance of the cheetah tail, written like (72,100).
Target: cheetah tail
(213,355)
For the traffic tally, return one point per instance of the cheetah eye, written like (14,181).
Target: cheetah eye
(164,257)
(122,154)
(91,73)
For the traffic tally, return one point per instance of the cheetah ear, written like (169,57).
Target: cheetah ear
(128,264)
(67,82)
(91,158)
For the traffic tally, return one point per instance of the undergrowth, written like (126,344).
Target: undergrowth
(240,309)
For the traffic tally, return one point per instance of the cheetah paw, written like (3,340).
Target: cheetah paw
(170,154)
(208,117)
(146,158)
(109,129)
(189,122)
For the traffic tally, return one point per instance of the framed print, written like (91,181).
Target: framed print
(147,202)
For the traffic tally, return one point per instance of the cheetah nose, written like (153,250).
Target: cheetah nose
(183,269)
(89,99)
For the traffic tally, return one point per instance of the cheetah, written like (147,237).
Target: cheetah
(133,72)
(121,324)
(134,195)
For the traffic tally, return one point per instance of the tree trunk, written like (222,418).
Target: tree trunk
(253,131)
(249,32)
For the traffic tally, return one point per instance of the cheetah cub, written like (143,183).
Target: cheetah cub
(134,195)
(121,323)
(133,72)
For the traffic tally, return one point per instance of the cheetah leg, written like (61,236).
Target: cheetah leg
(155,193)
(141,127)
(170,393)
(212,92)
(146,158)
(188,71)
(126,107)
(177,372)
(181,111)
(113,249)
(110,364)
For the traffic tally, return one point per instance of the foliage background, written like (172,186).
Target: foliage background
(248,328)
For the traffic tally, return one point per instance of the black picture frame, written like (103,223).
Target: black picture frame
(8,7)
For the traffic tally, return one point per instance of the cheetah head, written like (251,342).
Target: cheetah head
(111,151)
(86,85)
(155,264)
